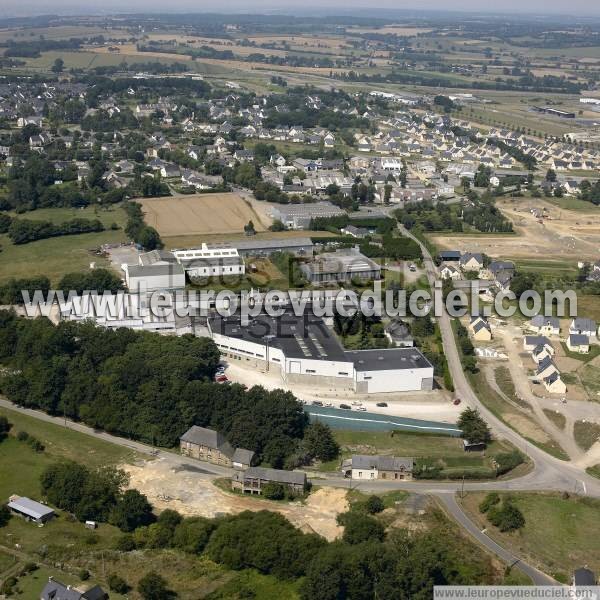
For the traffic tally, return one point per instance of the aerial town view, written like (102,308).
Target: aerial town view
(299,301)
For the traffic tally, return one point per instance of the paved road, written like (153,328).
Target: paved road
(550,473)
(453,508)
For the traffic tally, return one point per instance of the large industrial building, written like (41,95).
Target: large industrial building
(299,216)
(304,350)
(341,266)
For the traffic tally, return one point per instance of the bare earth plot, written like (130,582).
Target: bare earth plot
(565,236)
(191,492)
(201,214)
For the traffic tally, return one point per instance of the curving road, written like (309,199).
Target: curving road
(548,474)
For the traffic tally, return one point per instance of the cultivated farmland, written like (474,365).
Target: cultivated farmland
(201,215)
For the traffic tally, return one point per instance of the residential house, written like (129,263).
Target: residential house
(578,343)
(554,384)
(55,590)
(398,333)
(450,272)
(481,329)
(254,479)
(583,577)
(545,368)
(449,255)
(544,325)
(542,351)
(211,446)
(471,262)
(583,326)
(364,466)
(530,342)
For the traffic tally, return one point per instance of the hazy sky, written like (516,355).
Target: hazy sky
(29,7)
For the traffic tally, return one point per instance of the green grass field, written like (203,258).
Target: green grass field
(586,434)
(560,534)
(67,542)
(54,257)
(446,451)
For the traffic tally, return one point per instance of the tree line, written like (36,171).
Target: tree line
(149,387)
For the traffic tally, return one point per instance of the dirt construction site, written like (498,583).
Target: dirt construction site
(191,491)
(564,235)
(202,214)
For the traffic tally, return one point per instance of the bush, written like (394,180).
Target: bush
(374,505)
(84,574)
(117,584)
(359,528)
(507,461)
(125,543)
(5,427)
(154,587)
(274,491)
(492,499)
(506,517)
(5,515)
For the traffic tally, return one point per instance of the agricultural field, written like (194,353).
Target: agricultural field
(54,257)
(201,215)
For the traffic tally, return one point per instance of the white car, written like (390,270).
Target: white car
(361,408)
(328,404)
(357,403)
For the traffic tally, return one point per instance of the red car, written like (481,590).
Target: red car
(456,402)
(221,379)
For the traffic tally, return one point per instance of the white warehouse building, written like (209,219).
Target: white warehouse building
(303,350)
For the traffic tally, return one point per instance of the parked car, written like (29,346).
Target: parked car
(345,406)
(361,408)
(456,402)
(221,378)
(328,404)
(317,403)
(381,404)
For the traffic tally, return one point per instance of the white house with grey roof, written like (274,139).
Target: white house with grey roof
(364,466)
(583,326)
(543,325)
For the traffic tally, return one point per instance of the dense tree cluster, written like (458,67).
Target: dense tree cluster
(502,512)
(146,386)
(100,280)
(23,231)
(138,231)
(95,494)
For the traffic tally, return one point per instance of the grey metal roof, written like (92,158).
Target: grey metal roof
(31,508)
(584,577)
(541,321)
(387,359)
(382,463)
(155,256)
(55,590)
(243,456)
(155,270)
(576,339)
(275,475)
(584,324)
(209,438)
(536,340)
